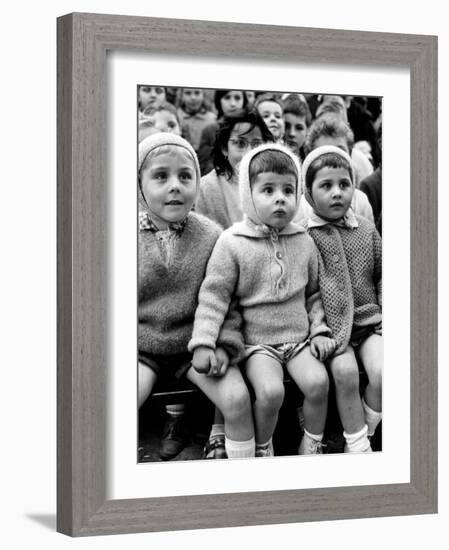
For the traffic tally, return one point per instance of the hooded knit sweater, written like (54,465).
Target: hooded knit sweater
(350,266)
(170,272)
(273,275)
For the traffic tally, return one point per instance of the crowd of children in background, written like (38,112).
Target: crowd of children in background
(260,254)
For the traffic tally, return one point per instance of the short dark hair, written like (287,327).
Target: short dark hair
(221,162)
(328,125)
(271,160)
(328,160)
(296,106)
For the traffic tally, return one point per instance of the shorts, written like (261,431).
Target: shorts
(170,369)
(360,334)
(282,353)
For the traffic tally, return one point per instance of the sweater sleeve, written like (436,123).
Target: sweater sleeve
(377,252)
(314,305)
(230,337)
(215,295)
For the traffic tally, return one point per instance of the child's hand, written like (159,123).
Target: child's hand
(322,346)
(222,363)
(204,359)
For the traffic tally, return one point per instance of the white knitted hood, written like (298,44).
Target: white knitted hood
(316,153)
(244,184)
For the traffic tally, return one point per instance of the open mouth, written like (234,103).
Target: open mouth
(174,203)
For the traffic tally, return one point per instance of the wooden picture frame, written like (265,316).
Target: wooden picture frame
(83,41)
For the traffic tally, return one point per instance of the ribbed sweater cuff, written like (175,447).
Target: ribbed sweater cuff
(197,342)
(321,330)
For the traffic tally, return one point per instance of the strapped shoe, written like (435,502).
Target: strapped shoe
(215,447)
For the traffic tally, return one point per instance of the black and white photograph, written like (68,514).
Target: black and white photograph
(259,273)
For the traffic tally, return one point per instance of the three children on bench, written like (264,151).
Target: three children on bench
(235,308)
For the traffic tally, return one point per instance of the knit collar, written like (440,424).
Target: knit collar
(147,224)
(248,228)
(348,221)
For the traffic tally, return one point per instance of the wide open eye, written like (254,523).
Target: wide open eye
(185,176)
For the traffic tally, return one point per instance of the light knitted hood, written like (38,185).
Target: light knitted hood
(159,140)
(244,184)
(312,156)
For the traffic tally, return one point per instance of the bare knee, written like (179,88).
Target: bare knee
(375,378)
(317,389)
(236,403)
(270,396)
(345,374)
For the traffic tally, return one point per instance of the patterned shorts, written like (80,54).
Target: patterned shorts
(282,353)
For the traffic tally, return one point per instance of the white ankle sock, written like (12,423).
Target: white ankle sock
(217,429)
(372,417)
(308,443)
(358,442)
(240,449)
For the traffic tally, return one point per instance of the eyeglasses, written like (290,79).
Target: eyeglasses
(242,143)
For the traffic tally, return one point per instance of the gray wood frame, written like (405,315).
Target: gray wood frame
(83,40)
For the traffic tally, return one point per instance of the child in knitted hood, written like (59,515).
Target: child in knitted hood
(350,259)
(174,248)
(270,266)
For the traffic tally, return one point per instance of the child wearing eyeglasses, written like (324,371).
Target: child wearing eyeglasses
(219,197)
(270,266)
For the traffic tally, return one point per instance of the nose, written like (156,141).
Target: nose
(173,184)
(279,198)
(336,191)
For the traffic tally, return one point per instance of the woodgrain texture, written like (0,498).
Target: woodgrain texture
(83,40)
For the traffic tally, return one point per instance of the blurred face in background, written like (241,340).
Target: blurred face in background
(295,131)
(150,96)
(192,99)
(232,103)
(160,121)
(272,114)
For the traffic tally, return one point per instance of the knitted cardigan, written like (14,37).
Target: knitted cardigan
(219,199)
(273,275)
(275,279)
(350,274)
(168,294)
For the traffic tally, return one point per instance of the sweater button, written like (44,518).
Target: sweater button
(278,255)
(335,257)
(341,286)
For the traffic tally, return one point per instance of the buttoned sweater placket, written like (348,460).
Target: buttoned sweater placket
(281,282)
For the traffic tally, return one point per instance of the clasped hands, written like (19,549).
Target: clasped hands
(322,347)
(210,362)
